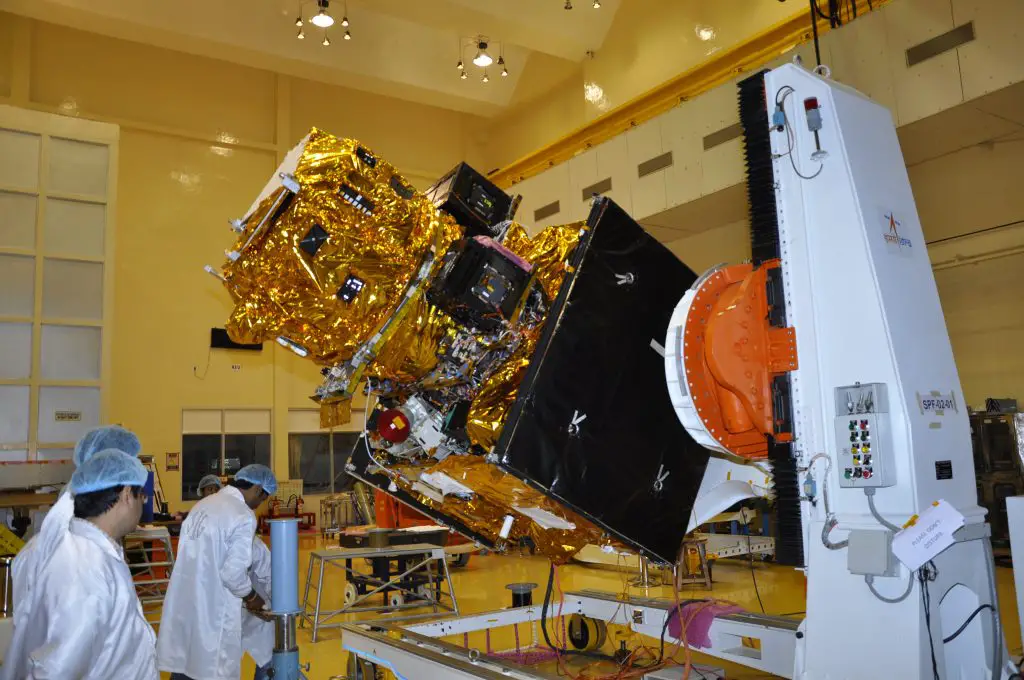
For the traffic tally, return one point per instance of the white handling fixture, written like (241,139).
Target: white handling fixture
(874,368)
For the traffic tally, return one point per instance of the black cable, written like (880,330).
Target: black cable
(814,28)
(817,9)
(966,623)
(925,574)
(752,575)
(679,612)
(833,9)
(544,627)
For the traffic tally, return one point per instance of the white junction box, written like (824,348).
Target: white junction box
(863,436)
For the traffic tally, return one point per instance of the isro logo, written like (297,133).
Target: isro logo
(892,236)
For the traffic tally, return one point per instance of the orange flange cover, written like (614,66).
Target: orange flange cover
(732,355)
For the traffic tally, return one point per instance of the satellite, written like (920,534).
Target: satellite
(516,383)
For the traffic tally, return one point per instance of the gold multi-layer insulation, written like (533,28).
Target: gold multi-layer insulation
(281,290)
(355,216)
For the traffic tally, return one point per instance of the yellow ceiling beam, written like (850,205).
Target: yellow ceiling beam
(747,56)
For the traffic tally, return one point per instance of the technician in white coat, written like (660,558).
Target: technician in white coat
(201,625)
(257,631)
(85,620)
(41,547)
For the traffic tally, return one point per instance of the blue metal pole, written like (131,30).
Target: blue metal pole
(284,566)
(284,596)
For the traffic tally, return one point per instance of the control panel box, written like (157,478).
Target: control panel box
(863,436)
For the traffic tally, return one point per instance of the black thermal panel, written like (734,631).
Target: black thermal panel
(593,426)
(472,199)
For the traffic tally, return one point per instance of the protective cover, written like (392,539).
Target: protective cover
(593,425)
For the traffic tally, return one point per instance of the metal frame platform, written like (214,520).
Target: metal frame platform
(415,651)
(150,585)
(422,556)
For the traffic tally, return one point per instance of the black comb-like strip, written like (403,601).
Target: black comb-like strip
(764,245)
(786,521)
(757,152)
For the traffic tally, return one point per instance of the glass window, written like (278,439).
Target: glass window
(221,443)
(245,449)
(343,443)
(309,459)
(200,456)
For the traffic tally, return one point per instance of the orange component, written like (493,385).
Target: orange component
(732,355)
(392,514)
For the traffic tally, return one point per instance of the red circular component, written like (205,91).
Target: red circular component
(393,425)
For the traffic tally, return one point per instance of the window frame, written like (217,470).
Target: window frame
(354,426)
(52,131)
(223,433)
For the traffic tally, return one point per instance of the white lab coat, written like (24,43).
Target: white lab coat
(38,551)
(201,625)
(85,620)
(257,634)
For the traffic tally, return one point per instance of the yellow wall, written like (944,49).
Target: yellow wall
(199,139)
(650,42)
(980,276)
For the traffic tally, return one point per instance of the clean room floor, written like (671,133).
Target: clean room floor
(481,587)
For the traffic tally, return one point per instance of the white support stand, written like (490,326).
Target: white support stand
(1015,517)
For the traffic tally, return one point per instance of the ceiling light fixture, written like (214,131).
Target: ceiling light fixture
(327,41)
(348,36)
(597,4)
(568,4)
(298,21)
(482,59)
(704,33)
(301,35)
(322,18)
(344,21)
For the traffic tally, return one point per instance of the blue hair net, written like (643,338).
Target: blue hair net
(106,437)
(107,469)
(260,475)
(209,480)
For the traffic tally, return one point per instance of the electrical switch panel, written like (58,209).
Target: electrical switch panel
(863,436)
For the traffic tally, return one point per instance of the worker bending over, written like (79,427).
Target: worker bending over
(257,630)
(84,617)
(201,624)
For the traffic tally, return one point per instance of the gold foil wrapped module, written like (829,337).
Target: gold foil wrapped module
(548,252)
(498,494)
(351,220)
